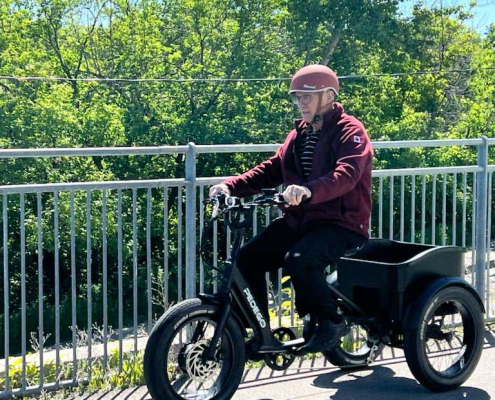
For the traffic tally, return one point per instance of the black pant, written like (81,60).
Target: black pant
(304,255)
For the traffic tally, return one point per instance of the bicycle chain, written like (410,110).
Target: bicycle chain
(371,356)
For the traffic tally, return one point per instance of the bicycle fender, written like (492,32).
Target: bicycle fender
(414,310)
(213,300)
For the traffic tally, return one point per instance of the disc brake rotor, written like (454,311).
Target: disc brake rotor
(192,362)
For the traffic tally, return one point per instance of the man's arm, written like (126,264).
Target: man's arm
(354,155)
(268,174)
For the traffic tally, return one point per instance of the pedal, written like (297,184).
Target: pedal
(332,278)
(295,342)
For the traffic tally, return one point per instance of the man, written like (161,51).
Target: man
(325,163)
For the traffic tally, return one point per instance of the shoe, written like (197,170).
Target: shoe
(327,335)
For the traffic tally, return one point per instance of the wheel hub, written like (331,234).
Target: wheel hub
(191,361)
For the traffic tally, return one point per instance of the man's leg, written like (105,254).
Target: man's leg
(305,262)
(265,253)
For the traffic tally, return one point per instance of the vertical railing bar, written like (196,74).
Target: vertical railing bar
(255,221)
(402,179)
(148,258)
(57,285)
(242,218)
(23,291)
(201,224)
(6,289)
(391,208)
(215,255)
(190,223)
(89,279)
(380,209)
(473,230)
(73,285)
(292,297)
(40,288)
(120,280)
(454,209)
(267,274)
(280,297)
(291,304)
(165,247)
(279,272)
(134,269)
(481,214)
(444,209)
(464,209)
(488,244)
(413,208)
(229,238)
(423,210)
(179,242)
(433,209)
(370,223)
(105,279)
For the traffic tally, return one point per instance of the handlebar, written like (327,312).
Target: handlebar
(242,213)
(223,202)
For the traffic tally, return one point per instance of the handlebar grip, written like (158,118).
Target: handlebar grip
(280,199)
(220,197)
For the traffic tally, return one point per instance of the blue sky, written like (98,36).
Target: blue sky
(484,11)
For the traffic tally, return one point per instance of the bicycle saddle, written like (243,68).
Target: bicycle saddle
(332,278)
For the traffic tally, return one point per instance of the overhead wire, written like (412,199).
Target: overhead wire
(190,80)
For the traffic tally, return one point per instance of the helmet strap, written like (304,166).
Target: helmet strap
(320,111)
(317,116)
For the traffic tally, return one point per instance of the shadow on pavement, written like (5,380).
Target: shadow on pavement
(379,383)
(490,335)
(374,383)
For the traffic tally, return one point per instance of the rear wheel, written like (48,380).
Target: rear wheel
(356,349)
(444,349)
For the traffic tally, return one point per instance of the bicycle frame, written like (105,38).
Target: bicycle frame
(233,283)
(234,288)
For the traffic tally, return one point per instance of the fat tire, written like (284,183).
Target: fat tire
(157,346)
(414,345)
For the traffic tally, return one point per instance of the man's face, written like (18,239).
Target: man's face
(308,103)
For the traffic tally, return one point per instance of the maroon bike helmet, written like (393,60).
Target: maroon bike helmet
(314,78)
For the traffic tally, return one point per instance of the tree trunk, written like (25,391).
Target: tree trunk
(333,43)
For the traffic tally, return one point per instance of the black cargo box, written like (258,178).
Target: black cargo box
(385,275)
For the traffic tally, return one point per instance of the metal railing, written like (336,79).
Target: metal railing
(166,270)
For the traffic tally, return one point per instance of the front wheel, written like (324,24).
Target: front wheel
(173,365)
(444,349)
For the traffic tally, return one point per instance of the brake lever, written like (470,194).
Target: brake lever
(217,200)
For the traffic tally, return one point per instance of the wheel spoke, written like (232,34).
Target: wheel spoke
(447,337)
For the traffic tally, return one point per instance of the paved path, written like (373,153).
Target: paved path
(388,379)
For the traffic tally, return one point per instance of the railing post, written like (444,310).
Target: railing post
(481,211)
(191,221)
